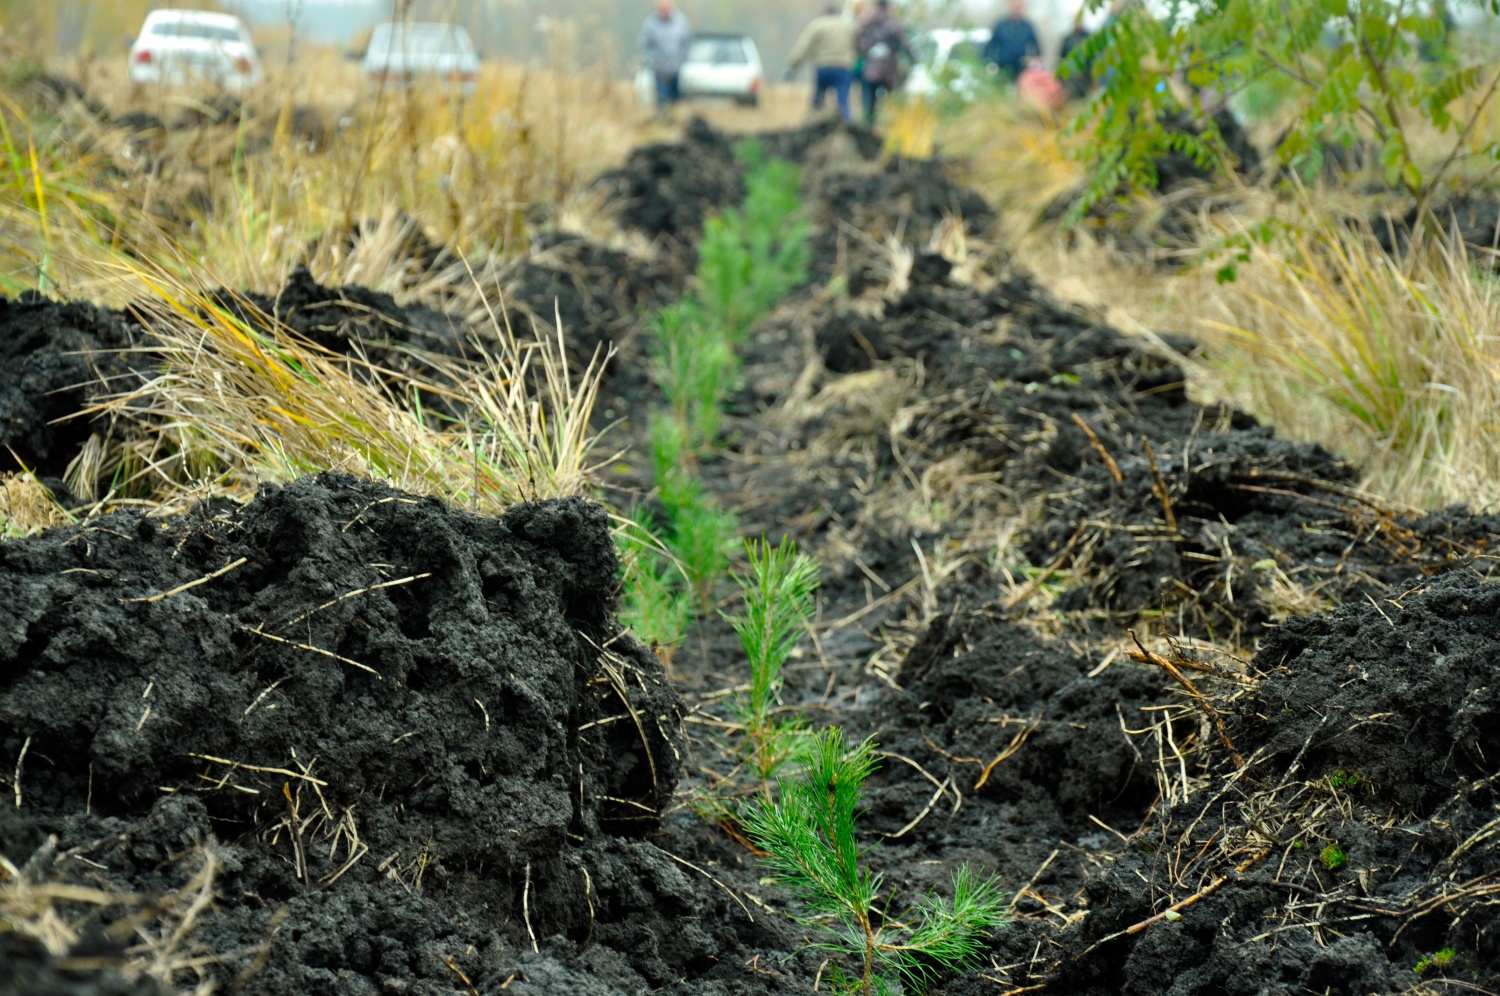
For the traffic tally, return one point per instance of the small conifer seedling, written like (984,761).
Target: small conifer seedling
(807,832)
(702,538)
(654,602)
(778,592)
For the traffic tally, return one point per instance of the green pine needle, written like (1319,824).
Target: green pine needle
(778,593)
(808,834)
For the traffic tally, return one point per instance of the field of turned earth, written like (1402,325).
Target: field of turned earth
(1219,722)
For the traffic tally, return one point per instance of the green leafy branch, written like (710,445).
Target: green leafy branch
(1352,70)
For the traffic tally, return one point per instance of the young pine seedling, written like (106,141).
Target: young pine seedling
(702,537)
(695,368)
(654,603)
(807,832)
(778,593)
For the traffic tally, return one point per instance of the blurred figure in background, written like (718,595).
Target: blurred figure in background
(882,42)
(665,39)
(858,13)
(828,44)
(1081,80)
(1013,43)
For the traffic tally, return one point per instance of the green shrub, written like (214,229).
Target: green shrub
(1343,70)
(702,537)
(695,369)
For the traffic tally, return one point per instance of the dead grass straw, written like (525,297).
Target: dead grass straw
(242,401)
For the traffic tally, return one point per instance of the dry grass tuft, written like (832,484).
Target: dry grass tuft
(237,403)
(88,931)
(1395,362)
(27,506)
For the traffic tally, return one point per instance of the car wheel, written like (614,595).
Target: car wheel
(751,101)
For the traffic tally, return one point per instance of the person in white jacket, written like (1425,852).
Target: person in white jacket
(665,39)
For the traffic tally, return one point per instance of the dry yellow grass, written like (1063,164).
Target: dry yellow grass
(236,404)
(1394,364)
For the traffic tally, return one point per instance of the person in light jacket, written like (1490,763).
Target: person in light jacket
(665,39)
(828,44)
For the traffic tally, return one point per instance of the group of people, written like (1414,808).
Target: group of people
(867,43)
(864,44)
(1014,52)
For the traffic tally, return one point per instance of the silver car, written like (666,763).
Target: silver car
(401,54)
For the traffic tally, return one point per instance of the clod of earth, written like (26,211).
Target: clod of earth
(401,733)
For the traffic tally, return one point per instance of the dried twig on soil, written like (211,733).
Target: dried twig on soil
(1094,441)
(1159,488)
(269,771)
(688,864)
(1147,657)
(1175,910)
(20,761)
(258,631)
(1016,742)
(190,585)
(1031,586)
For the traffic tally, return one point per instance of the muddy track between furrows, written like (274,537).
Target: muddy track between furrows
(1222,724)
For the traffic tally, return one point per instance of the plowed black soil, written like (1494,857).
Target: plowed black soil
(1022,741)
(53,358)
(1032,543)
(598,294)
(1385,714)
(355,321)
(451,773)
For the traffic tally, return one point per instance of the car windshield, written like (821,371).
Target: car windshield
(196,29)
(718,51)
(422,40)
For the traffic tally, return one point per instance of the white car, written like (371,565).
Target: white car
(949,60)
(400,54)
(724,66)
(178,47)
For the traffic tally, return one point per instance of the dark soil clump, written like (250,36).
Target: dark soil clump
(598,294)
(55,360)
(1354,842)
(354,321)
(389,724)
(667,190)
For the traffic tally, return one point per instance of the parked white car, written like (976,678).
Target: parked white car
(178,47)
(401,54)
(949,61)
(724,65)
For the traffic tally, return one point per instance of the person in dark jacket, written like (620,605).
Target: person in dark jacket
(1013,43)
(1081,79)
(882,43)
